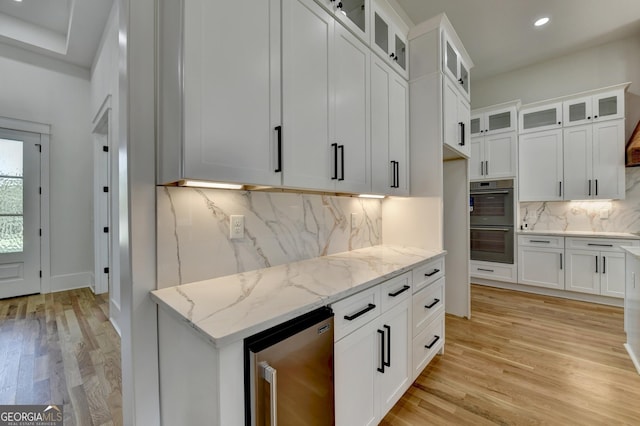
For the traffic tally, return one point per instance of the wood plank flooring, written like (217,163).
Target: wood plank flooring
(61,349)
(526,359)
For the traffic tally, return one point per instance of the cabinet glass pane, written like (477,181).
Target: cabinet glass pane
(452,60)
(578,112)
(354,10)
(464,76)
(475,125)
(500,121)
(545,117)
(608,106)
(401,53)
(381,33)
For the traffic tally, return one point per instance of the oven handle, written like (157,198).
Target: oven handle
(490,229)
(488,192)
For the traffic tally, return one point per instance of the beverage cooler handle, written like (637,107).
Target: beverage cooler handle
(270,375)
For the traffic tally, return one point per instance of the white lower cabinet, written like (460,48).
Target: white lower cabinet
(541,261)
(372,363)
(494,271)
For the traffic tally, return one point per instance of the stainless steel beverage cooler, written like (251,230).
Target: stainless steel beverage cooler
(289,373)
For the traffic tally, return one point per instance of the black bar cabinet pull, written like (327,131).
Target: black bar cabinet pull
(335,161)
(369,307)
(435,271)
(599,245)
(486,270)
(387,363)
(596,186)
(486,167)
(399,292)
(461,124)
(279,131)
(589,187)
(560,189)
(596,264)
(540,241)
(397,175)
(434,303)
(381,333)
(393,174)
(604,264)
(561,261)
(341,147)
(433,342)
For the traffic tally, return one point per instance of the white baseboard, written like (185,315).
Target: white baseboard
(71,281)
(633,356)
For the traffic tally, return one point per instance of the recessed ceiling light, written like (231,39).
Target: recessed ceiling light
(540,22)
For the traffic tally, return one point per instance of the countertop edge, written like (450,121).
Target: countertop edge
(583,234)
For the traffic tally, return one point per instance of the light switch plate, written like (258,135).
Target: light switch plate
(236,227)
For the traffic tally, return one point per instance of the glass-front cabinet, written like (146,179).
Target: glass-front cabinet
(454,66)
(389,40)
(544,117)
(498,121)
(589,109)
(354,14)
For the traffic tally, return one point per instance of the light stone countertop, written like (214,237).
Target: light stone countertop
(633,250)
(227,309)
(586,234)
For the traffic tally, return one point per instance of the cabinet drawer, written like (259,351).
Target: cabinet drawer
(395,291)
(599,244)
(427,304)
(427,344)
(355,311)
(428,273)
(494,271)
(541,241)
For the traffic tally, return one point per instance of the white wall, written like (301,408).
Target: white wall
(57,95)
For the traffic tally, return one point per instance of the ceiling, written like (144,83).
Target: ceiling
(69,30)
(499,34)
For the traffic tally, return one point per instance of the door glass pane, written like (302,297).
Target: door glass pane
(545,117)
(464,76)
(500,121)
(11,196)
(475,125)
(452,60)
(401,53)
(382,33)
(578,112)
(608,106)
(354,10)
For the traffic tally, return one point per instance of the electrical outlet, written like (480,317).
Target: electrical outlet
(236,227)
(604,214)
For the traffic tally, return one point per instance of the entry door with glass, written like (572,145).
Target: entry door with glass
(19,213)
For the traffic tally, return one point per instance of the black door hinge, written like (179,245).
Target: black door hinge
(105,189)
(40,274)
(105,229)
(106,270)
(40,190)
(105,148)
(40,232)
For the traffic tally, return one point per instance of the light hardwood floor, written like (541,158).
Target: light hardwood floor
(527,359)
(521,359)
(61,349)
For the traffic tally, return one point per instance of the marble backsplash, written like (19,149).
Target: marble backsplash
(193,241)
(623,215)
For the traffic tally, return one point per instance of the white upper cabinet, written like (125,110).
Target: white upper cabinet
(325,102)
(500,120)
(540,166)
(353,14)
(456,115)
(608,160)
(493,156)
(389,37)
(454,64)
(604,106)
(389,130)
(208,128)
(543,117)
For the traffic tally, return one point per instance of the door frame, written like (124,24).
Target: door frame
(45,133)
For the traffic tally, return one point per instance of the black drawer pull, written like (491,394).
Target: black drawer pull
(370,307)
(599,245)
(381,368)
(435,302)
(402,290)
(435,271)
(433,342)
(540,241)
(486,270)
(387,363)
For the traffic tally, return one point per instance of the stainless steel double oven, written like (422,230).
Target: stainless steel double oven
(492,221)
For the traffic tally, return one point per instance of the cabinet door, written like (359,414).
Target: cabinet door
(476,159)
(351,64)
(608,106)
(464,116)
(500,155)
(307,39)
(401,55)
(383,170)
(451,128)
(541,267)
(399,132)
(500,121)
(227,138)
(546,117)
(578,163)
(608,160)
(540,166)
(477,124)
(464,79)
(577,111)
(583,271)
(612,277)
(357,358)
(354,14)
(450,58)
(395,379)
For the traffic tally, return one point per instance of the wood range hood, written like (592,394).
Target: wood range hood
(633,148)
